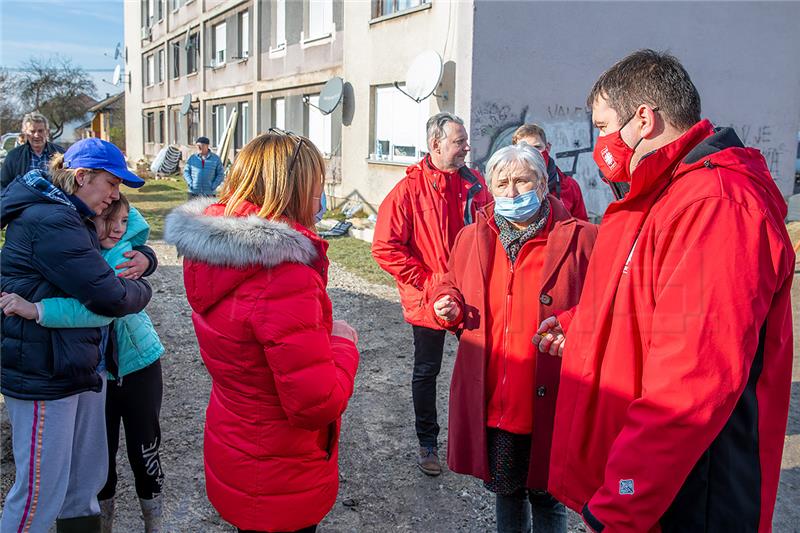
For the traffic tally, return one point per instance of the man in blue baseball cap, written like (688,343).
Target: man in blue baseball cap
(203,171)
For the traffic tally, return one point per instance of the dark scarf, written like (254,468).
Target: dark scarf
(513,239)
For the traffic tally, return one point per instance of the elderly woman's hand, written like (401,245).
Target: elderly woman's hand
(447,308)
(136,266)
(14,304)
(550,337)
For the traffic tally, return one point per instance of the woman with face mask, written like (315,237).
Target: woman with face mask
(282,369)
(524,258)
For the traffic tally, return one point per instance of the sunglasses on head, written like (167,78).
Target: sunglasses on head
(296,152)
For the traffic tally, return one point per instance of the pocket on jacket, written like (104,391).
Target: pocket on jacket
(328,439)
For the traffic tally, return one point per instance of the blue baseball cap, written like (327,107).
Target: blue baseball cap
(98,154)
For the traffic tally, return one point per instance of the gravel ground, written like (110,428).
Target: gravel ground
(381,489)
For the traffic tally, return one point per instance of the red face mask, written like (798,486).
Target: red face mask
(613,156)
(546,155)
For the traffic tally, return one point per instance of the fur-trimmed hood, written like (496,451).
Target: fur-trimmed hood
(222,252)
(234,241)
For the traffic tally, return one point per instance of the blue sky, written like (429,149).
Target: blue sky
(81,30)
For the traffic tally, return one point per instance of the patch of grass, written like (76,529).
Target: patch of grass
(155,199)
(354,256)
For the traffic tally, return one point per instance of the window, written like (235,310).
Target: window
(220,122)
(151,12)
(244,123)
(319,126)
(320,18)
(399,126)
(160,128)
(192,53)
(193,131)
(279,113)
(174,124)
(176,60)
(219,44)
(244,34)
(387,7)
(280,23)
(160,66)
(149,127)
(160,10)
(151,72)
(175,4)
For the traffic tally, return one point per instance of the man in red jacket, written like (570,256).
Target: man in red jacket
(417,224)
(563,187)
(676,379)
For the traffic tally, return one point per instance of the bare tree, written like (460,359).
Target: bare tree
(9,107)
(57,88)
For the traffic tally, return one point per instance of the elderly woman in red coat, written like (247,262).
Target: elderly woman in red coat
(523,258)
(281,369)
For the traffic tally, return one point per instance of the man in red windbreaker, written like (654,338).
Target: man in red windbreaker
(417,224)
(563,187)
(676,378)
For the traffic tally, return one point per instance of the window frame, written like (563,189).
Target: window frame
(160,64)
(150,69)
(312,112)
(176,60)
(244,34)
(193,54)
(274,112)
(215,43)
(420,142)
(219,128)
(378,15)
(326,25)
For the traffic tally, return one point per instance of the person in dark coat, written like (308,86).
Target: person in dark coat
(53,380)
(35,154)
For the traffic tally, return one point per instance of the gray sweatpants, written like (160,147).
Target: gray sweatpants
(61,458)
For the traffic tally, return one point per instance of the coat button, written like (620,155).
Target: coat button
(540,392)
(546,299)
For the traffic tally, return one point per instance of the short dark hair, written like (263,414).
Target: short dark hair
(653,78)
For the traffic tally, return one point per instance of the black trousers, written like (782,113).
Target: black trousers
(137,404)
(309,529)
(428,349)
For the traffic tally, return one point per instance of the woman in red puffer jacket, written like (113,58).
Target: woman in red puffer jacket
(282,370)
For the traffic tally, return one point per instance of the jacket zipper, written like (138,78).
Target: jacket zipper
(505,343)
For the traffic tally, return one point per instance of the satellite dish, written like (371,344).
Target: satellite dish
(423,76)
(331,95)
(115,77)
(117,51)
(186,105)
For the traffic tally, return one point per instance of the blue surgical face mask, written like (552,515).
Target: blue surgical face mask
(518,209)
(323,207)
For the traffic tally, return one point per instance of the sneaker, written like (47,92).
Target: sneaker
(428,460)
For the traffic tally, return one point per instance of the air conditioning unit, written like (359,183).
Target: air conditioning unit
(146,32)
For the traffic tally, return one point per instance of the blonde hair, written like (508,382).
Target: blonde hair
(260,176)
(529,130)
(66,178)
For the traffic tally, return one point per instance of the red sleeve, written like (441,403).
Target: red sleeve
(711,298)
(565,318)
(449,284)
(313,371)
(390,247)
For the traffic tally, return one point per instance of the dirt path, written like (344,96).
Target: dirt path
(380,490)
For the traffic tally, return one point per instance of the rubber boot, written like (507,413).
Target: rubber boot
(106,515)
(151,513)
(79,524)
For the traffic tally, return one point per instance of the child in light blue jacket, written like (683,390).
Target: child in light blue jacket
(135,397)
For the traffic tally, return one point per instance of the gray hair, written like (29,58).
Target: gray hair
(436,124)
(34,117)
(516,153)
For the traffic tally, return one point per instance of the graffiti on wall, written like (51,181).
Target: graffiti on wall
(570,132)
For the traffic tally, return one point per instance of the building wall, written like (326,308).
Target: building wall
(132,81)
(379,52)
(537,61)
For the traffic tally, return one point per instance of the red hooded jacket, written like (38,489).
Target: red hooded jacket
(280,381)
(677,367)
(478,257)
(411,236)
